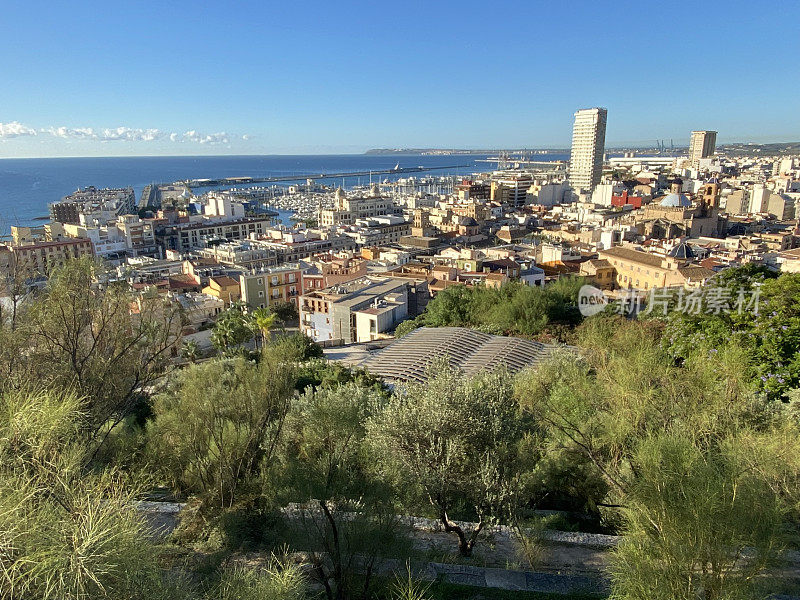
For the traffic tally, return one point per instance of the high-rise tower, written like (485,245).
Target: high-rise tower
(588,145)
(703,145)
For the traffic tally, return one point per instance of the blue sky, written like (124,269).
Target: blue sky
(178,77)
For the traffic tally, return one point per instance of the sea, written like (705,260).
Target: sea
(28,185)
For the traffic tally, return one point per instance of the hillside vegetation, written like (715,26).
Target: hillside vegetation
(679,433)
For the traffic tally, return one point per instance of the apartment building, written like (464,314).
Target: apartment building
(355,311)
(93,201)
(469,190)
(478,211)
(241,253)
(138,234)
(294,246)
(338,269)
(187,236)
(510,187)
(263,287)
(42,257)
(224,288)
(702,145)
(379,231)
(66,212)
(588,145)
(127,235)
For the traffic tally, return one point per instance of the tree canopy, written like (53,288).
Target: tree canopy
(89,334)
(514,308)
(766,326)
(455,440)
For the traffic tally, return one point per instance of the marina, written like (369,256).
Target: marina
(314,176)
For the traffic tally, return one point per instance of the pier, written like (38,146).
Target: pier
(284,178)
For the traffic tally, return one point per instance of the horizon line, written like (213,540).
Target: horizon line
(391,150)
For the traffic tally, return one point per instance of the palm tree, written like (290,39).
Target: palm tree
(262,320)
(232,329)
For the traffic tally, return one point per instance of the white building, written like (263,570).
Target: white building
(346,210)
(199,308)
(532,275)
(588,144)
(354,311)
(379,231)
(128,234)
(221,205)
(548,194)
(784,166)
(603,192)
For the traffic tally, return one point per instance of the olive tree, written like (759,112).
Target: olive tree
(454,441)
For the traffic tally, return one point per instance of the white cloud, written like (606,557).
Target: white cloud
(69,133)
(213,138)
(132,135)
(15,129)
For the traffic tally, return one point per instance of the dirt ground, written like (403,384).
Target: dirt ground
(499,550)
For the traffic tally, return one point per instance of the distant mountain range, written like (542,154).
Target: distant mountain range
(448,151)
(766,149)
(735,149)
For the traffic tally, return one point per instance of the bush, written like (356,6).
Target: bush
(65,533)
(514,308)
(216,426)
(406,327)
(297,347)
(248,527)
(324,374)
(279,581)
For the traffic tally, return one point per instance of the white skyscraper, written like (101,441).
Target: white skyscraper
(588,144)
(703,145)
